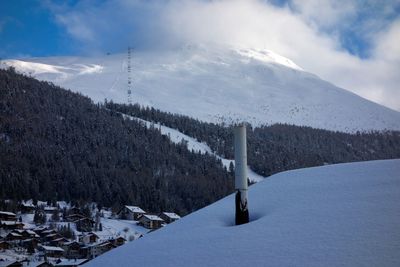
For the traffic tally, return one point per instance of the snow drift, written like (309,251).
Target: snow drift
(337,215)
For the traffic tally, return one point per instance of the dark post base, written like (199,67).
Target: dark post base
(242,213)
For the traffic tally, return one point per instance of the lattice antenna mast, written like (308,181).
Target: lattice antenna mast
(129,67)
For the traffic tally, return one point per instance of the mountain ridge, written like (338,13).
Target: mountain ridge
(220,85)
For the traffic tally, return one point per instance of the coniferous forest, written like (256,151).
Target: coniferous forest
(58,145)
(278,147)
(55,144)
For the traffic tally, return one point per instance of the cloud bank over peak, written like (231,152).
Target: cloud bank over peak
(349,43)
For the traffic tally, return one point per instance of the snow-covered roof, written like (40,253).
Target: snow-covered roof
(51,235)
(7,213)
(48,231)
(15,234)
(32,263)
(62,204)
(172,215)
(135,209)
(51,248)
(90,234)
(153,217)
(10,222)
(30,205)
(59,239)
(70,262)
(42,203)
(40,228)
(70,243)
(30,232)
(105,243)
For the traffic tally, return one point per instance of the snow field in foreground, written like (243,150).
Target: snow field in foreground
(337,215)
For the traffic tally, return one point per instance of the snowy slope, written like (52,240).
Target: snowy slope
(217,84)
(337,215)
(193,145)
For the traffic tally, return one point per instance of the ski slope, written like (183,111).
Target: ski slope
(337,215)
(216,84)
(193,145)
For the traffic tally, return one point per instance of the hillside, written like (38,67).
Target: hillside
(338,215)
(277,147)
(55,144)
(217,84)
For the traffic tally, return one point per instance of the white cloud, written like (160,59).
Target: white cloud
(296,31)
(325,14)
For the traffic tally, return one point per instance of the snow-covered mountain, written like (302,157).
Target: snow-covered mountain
(337,215)
(217,84)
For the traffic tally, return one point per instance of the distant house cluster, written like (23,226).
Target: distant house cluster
(58,234)
(147,220)
(53,247)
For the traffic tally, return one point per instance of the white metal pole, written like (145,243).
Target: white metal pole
(242,213)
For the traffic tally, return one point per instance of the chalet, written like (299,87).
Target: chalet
(75,210)
(94,250)
(13,237)
(151,221)
(37,264)
(74,217)
(51,237)
(58,241)
(81,221)
(30,243)
(72,250)
(31,233)
(169,217)
(4,245)
(39,230)
(27,207)
(89,238)
(130,213)
(26,234)
(70,262)
(11,225)
(47,232)
(119,241)
(85,224)
(7,216)
(50,251)
(49,210)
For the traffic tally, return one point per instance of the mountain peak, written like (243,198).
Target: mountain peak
(217,84)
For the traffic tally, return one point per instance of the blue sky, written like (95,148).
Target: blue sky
(30,28)
(331,38)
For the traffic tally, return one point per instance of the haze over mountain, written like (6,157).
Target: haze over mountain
(216,84)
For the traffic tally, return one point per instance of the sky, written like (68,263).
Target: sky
(351,43)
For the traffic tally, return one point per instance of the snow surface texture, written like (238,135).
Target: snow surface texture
(337,215)
(216,84)
(193,145)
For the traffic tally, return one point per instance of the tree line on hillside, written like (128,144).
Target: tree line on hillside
(278,147)
(55,144)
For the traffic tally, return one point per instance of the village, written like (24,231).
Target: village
(44,234)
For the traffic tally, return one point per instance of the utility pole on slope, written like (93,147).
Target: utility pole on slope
(241,187)
(129,75)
